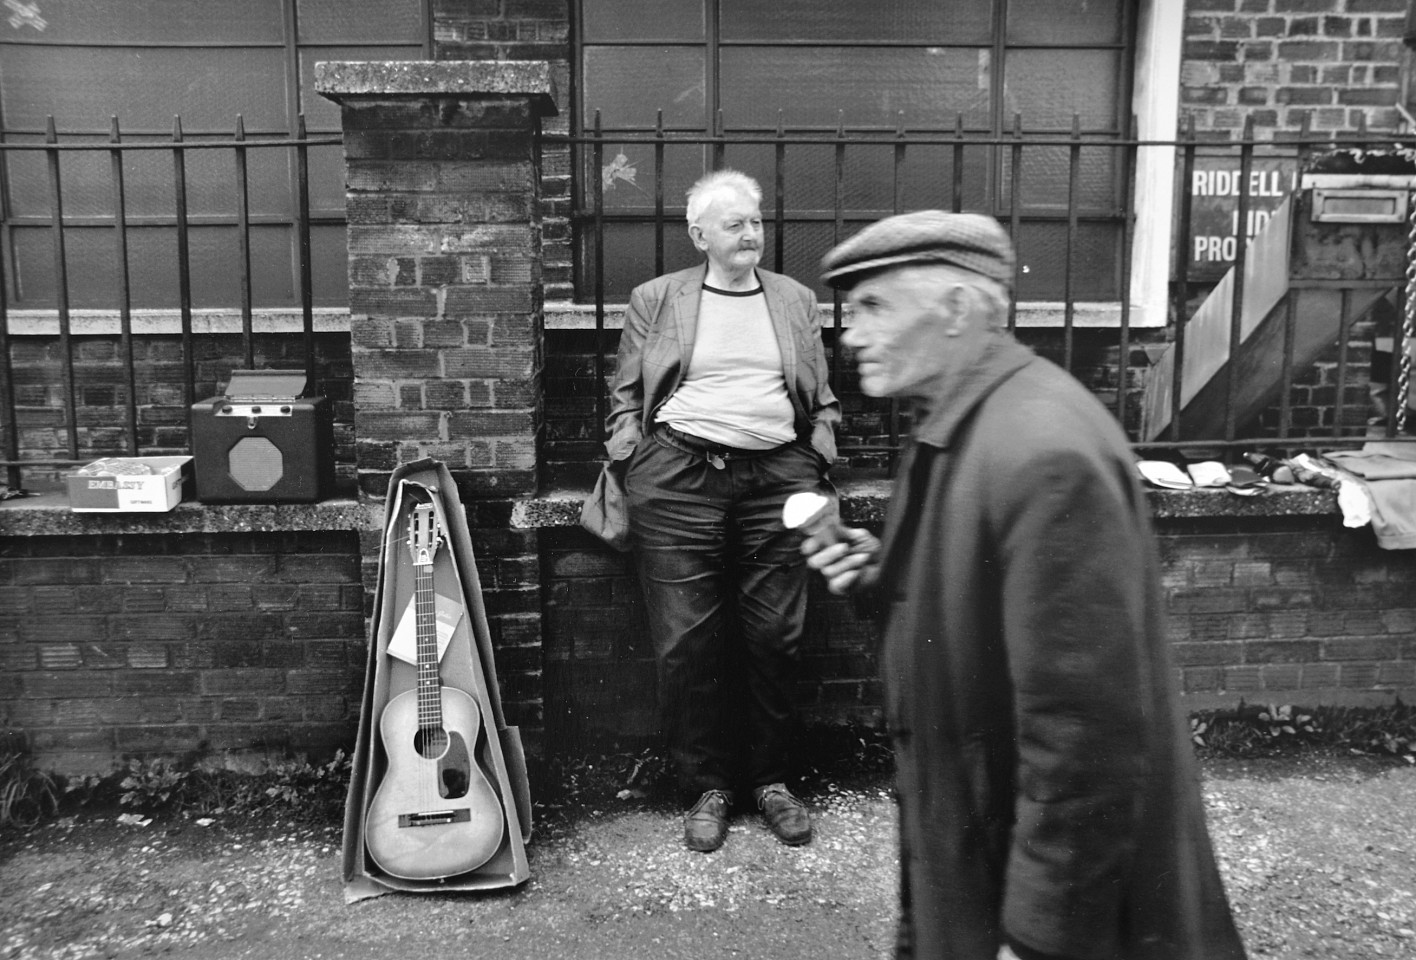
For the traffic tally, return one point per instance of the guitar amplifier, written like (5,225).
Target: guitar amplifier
(263,441)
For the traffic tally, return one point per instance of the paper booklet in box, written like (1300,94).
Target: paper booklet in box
(129,484)
(438,796)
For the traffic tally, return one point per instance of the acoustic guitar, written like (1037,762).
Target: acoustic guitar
(435,813)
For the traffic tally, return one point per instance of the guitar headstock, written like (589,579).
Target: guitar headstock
(424,537)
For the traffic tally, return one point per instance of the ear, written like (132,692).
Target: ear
(695,233)
(957,302)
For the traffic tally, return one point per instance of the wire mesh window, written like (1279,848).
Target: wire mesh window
(143,62)
(730,69)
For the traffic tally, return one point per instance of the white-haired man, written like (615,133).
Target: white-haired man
(720,410)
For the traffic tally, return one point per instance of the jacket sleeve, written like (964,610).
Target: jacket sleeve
(1073,561)
(823,409)
(623,424)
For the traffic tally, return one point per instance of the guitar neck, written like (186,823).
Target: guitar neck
(429,683)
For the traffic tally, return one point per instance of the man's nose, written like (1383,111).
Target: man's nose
(853,337)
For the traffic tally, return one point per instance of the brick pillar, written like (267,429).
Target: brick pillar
(442,196)
(442,181)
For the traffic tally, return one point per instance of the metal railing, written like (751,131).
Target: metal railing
(119,150)
(1009,167)
(1010,158)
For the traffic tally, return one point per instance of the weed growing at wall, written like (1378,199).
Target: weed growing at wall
(153,784)
(294,788)
(288,786)
(1263,730)
(27,795)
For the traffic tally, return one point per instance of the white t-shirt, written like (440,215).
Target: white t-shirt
(733,391)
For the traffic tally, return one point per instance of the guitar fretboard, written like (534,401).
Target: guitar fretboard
(429,684)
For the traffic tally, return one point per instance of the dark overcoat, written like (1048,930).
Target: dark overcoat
(1048,791)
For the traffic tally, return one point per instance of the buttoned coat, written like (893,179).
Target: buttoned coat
(656,344)
(1048,791)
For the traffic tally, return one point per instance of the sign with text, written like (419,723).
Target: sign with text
(1215,185)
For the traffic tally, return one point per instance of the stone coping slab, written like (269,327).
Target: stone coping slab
(862,502)
(473,79)
(48,514)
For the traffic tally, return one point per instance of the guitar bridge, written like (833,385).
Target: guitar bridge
(434,818)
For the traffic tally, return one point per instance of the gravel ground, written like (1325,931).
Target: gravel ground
(1319,855)
(1319,860)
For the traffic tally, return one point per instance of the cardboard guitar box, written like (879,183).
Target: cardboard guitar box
(466,664)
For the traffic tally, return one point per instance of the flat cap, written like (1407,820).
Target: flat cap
(968,240)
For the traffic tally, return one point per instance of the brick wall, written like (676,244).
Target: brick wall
(1289,610)
(510,572)
(127,644)
(1267,610)
(1334,64)
(148,634)
(599,666)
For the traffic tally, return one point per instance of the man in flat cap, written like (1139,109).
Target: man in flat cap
(1049,803)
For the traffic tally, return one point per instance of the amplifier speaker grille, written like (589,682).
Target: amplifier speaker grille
(255,463)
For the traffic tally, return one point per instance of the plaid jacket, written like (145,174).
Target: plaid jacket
(657,341)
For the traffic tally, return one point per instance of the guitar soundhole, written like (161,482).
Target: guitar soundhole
(454,761)
(430,744)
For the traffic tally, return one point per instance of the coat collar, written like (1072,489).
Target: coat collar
(939,416)
(685,305)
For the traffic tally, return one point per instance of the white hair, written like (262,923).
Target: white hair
(701,194)
(995,297)
(992,295)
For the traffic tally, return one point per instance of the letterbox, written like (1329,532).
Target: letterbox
(263,441)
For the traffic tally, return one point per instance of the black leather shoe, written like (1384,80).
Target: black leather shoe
(705,826)
(784,813)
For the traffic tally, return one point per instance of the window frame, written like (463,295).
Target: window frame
(295,54)
(1149,88)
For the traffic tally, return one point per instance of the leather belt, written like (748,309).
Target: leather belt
(715,453)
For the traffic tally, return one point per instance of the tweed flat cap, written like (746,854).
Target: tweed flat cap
(968,240)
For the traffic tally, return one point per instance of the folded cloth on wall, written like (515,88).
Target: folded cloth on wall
(1393,512)
(1378,461)
(1387,474)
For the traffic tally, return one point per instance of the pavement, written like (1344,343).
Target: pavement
(612,882)
(1318,855)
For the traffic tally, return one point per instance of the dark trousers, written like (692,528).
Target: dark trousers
(725,589)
